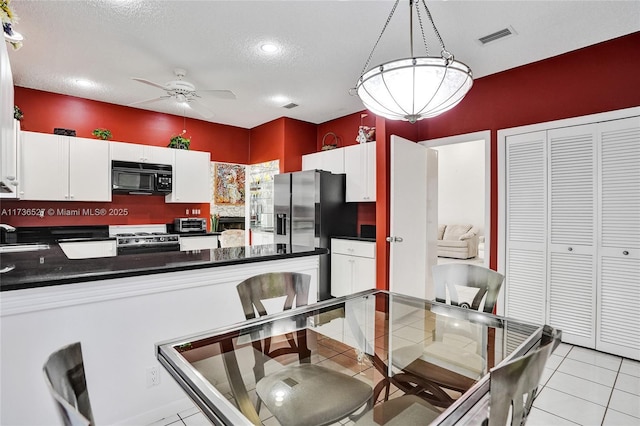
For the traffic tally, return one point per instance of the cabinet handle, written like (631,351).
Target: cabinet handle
(626,253)
(570,249)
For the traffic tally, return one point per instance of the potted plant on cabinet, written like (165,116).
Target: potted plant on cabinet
(103,134)
(179,142)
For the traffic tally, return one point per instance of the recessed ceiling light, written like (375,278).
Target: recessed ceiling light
(279,99)
(83,83)
(269,48)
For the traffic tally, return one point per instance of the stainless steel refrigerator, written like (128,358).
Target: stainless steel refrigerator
(309,209)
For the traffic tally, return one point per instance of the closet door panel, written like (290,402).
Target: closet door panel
(619,250)
(525,277)
(572,230)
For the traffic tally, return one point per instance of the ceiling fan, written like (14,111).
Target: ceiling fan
(184,92)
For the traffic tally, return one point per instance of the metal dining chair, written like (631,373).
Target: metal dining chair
(64,375)
(304,393)
(452,275)
(514,385)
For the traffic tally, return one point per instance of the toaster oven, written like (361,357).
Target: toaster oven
(190,224)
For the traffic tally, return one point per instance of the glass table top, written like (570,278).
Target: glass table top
(395,345)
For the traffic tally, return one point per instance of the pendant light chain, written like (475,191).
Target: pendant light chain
(445,53)
(366,65)
(424,38)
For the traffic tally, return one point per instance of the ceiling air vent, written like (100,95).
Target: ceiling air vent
(506,32)
(290,106)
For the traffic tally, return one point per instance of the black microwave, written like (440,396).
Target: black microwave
(141,178)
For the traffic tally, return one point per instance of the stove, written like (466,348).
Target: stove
(144,239)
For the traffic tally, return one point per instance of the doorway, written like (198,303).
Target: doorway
(464,187)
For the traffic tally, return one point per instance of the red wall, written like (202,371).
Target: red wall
(299,139)
(267,142)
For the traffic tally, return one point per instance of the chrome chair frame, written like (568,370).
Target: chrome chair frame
(64,375)
(448,276)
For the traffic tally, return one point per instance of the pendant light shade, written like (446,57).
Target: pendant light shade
(414,88)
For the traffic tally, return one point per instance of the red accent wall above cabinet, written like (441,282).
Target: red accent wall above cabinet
(283,139)
(43,111)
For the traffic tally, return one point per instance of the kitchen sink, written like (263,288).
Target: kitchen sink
(19,248)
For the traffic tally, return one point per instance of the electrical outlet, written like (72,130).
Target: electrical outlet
(153,376)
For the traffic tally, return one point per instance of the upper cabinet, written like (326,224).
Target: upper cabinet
(137,153)
(8,139)
(191,177)
(62,168)
(358,162)
(331,160)
(360,167)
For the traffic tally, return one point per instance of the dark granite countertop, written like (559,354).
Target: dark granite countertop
(51,267)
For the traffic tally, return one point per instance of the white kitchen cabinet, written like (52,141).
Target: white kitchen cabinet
(191,177)
(8,128)
(331,160)
(63,168)
(198,242)
(353,266)
(360,168)
(138,153)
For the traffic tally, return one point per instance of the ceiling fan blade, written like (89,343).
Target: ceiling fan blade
(149,101)
(150,83)
(201,109)
(222,94)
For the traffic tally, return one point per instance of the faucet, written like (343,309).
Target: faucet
(7,228)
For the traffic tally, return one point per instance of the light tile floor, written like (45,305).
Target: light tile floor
(580,387)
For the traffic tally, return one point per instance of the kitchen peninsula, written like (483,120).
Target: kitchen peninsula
(127,301)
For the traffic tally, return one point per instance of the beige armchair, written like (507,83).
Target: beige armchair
(457,241)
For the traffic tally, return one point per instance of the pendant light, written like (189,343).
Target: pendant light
(414,88)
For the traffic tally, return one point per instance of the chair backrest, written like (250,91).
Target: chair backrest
(511,382)
(448,276)
(64,374)
(254,290)
(232,238)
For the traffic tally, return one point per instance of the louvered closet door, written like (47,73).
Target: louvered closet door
(619,251)
(572,225)
(525,271)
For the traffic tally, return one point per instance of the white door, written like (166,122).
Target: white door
(191,177)
(413,217)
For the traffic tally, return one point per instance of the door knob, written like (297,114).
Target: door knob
(626,253)
(394,239)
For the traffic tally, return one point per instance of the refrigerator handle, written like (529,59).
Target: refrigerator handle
(281,224)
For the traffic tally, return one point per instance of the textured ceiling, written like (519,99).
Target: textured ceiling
(324,46)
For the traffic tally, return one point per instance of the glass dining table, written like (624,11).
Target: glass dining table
(397,345)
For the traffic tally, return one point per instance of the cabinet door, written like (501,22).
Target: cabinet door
(44,167)
(331,160)
(121,151)
(191,177)
(619,242)
(572,227)
(359,166)
(342,270)
(526,256)
(364,276)
(158,155)
(89,170)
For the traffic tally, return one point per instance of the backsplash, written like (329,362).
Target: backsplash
(122,210)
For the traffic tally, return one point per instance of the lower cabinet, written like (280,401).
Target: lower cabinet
(353,266)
